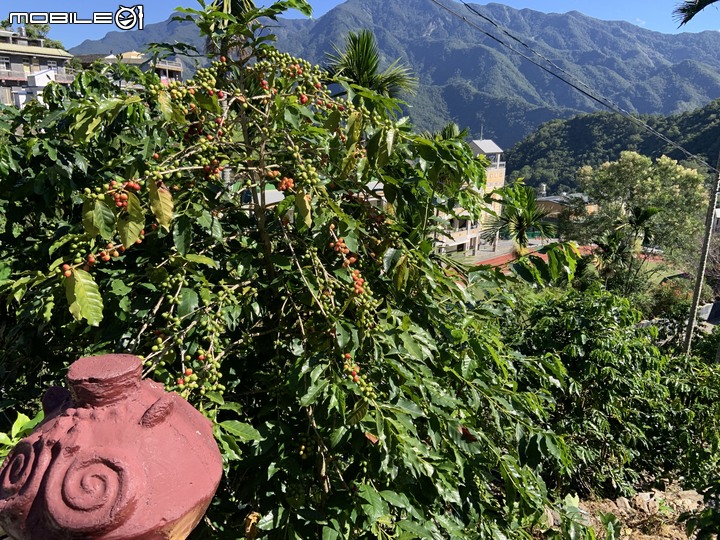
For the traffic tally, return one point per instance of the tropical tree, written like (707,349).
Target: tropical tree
(520,215)
(359,62)
(225,230)
(627,189)
(618,256)
(687,10)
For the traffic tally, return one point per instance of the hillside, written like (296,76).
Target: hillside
(558,148)
(469,78)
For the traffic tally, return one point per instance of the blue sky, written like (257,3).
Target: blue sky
(651,14)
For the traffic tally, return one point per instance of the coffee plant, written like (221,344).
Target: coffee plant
(229,231)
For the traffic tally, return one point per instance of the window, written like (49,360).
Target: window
(4,63)
(52,64)
(35,64)
(26,65)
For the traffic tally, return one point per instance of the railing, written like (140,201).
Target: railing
(169,63)
(62,74)
(14,74)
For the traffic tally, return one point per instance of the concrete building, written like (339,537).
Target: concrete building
(464,234)
(167,70)
(27,66)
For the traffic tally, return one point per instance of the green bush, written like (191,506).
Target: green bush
(628,413)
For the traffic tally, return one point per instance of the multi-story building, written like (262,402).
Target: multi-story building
(26,66)
(167,70)
(464,234)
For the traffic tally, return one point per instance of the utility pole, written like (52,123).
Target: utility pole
(709,221)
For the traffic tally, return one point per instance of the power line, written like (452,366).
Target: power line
(587,91)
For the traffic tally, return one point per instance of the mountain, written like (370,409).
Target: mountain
(468,77)
(552,154)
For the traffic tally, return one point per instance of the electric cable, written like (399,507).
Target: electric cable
(588,92)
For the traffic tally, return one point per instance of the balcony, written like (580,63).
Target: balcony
(13,75)
(63,75)
(169,64)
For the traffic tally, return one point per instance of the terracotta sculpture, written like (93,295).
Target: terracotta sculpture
(116,458)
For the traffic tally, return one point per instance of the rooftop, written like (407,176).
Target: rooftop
(487,146)
(47,52)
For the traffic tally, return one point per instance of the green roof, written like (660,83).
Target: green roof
(35,51)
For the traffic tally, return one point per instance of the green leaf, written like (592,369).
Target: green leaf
(119,288)
(188,302)
(329,534)
(376,507)
(215,398)
(302,203)
(73,305)
(390,258)
(182,235)
(161,204)
(303,7)
(241,430)
(132,222)
(202,259)
(104,219)
(87,297)
(313,392)
(20,422)
(165,105)
(398,500)
(212,225)
(88,217)
(358,413)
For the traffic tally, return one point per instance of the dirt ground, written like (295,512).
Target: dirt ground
(647,516)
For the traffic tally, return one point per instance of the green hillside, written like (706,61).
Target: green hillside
(553,153)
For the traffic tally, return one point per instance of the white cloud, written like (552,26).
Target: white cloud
(640,22)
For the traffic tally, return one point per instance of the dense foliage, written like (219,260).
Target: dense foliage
(231,231)
(627,411)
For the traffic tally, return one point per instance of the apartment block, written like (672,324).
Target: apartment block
(464,232)
(27,65)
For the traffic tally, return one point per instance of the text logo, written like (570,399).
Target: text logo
(125,18)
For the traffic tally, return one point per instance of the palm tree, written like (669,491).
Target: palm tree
(520,214)
(359,62)
(448,132)
(689,8)
(229,7)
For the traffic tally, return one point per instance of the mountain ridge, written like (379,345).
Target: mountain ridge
(469,78)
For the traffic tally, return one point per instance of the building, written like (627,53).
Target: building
(577,203)
(27,66)
(167,70)
(464,233)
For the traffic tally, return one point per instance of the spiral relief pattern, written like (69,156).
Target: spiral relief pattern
(89,493)
(17,470)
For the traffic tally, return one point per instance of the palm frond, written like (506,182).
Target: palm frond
(359,61)
(687,10)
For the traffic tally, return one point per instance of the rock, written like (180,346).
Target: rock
(623,505)
(552,517)
(691,495)
(640,502)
